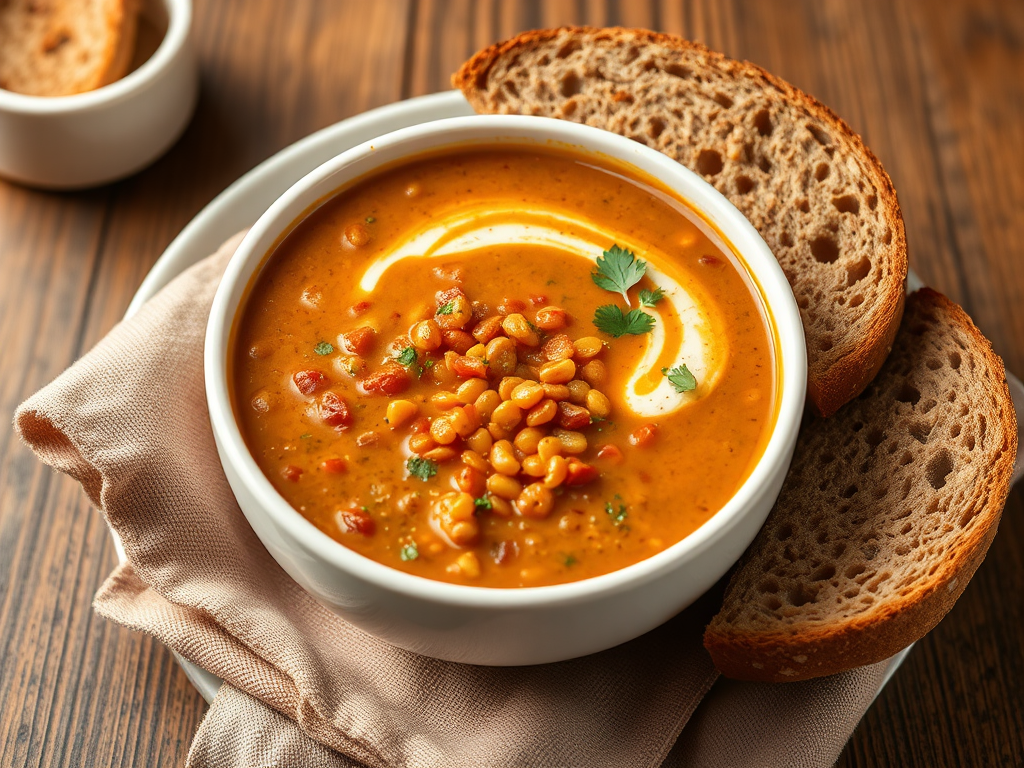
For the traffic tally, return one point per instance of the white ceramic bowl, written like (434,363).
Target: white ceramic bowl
(504,626)
(72,142)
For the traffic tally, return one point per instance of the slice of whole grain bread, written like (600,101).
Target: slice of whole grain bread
(807,182)
(886,513)
(64,47)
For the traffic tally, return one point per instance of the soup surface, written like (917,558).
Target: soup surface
(505,366)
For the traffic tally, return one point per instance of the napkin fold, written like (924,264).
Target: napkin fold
(302,687)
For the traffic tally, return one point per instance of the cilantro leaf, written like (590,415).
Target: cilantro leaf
(422,468)
(650,298)
(680,378)
(410,359)
(483,503)
(618,270)
(324,348)
(610,319)
(446,309)
(618,515)
(409,552)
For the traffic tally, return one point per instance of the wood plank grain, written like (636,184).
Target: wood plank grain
(975,104)
(75,689)
(48,263)
(447,33)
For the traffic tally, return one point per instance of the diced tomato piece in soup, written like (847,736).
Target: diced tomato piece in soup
(310,382)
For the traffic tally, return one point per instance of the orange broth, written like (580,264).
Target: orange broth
(317,361)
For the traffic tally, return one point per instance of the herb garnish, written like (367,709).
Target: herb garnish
(422,468)
(409,552)
(680,378)
(650,298)
(611,320)
(618,516)
(569,561)
(618,270)
(408,357)
(446,309)
(306,436)
(370,219)
(324,348)
(482,503)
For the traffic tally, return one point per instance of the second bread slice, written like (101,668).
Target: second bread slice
(887,511)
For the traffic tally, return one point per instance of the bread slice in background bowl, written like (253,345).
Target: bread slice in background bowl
(802,176)
(64,47)
(97,136)
(888,510)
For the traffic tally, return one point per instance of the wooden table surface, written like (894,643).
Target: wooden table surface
(937,92)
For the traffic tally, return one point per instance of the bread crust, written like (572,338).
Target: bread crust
(829,387)
(122,23)
(799,653)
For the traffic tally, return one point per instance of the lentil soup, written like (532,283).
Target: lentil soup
(504,366)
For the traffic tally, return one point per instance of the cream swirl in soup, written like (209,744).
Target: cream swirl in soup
(688,330)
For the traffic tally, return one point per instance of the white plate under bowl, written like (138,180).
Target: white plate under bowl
(243,202)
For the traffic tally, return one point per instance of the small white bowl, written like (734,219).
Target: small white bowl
(88,139)
(504,626)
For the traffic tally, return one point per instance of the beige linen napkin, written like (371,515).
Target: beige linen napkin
(304,688)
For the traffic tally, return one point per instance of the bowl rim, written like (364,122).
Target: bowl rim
(702,197)
(179,22)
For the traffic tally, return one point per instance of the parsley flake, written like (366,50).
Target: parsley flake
(611,320)
(446,309)
(680,378)
(370,219)
(409,358)
(409,552)
(422,468)
(618,270)
(483,503)
(324,348)
(618,515)
(650,298)
(569,561)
